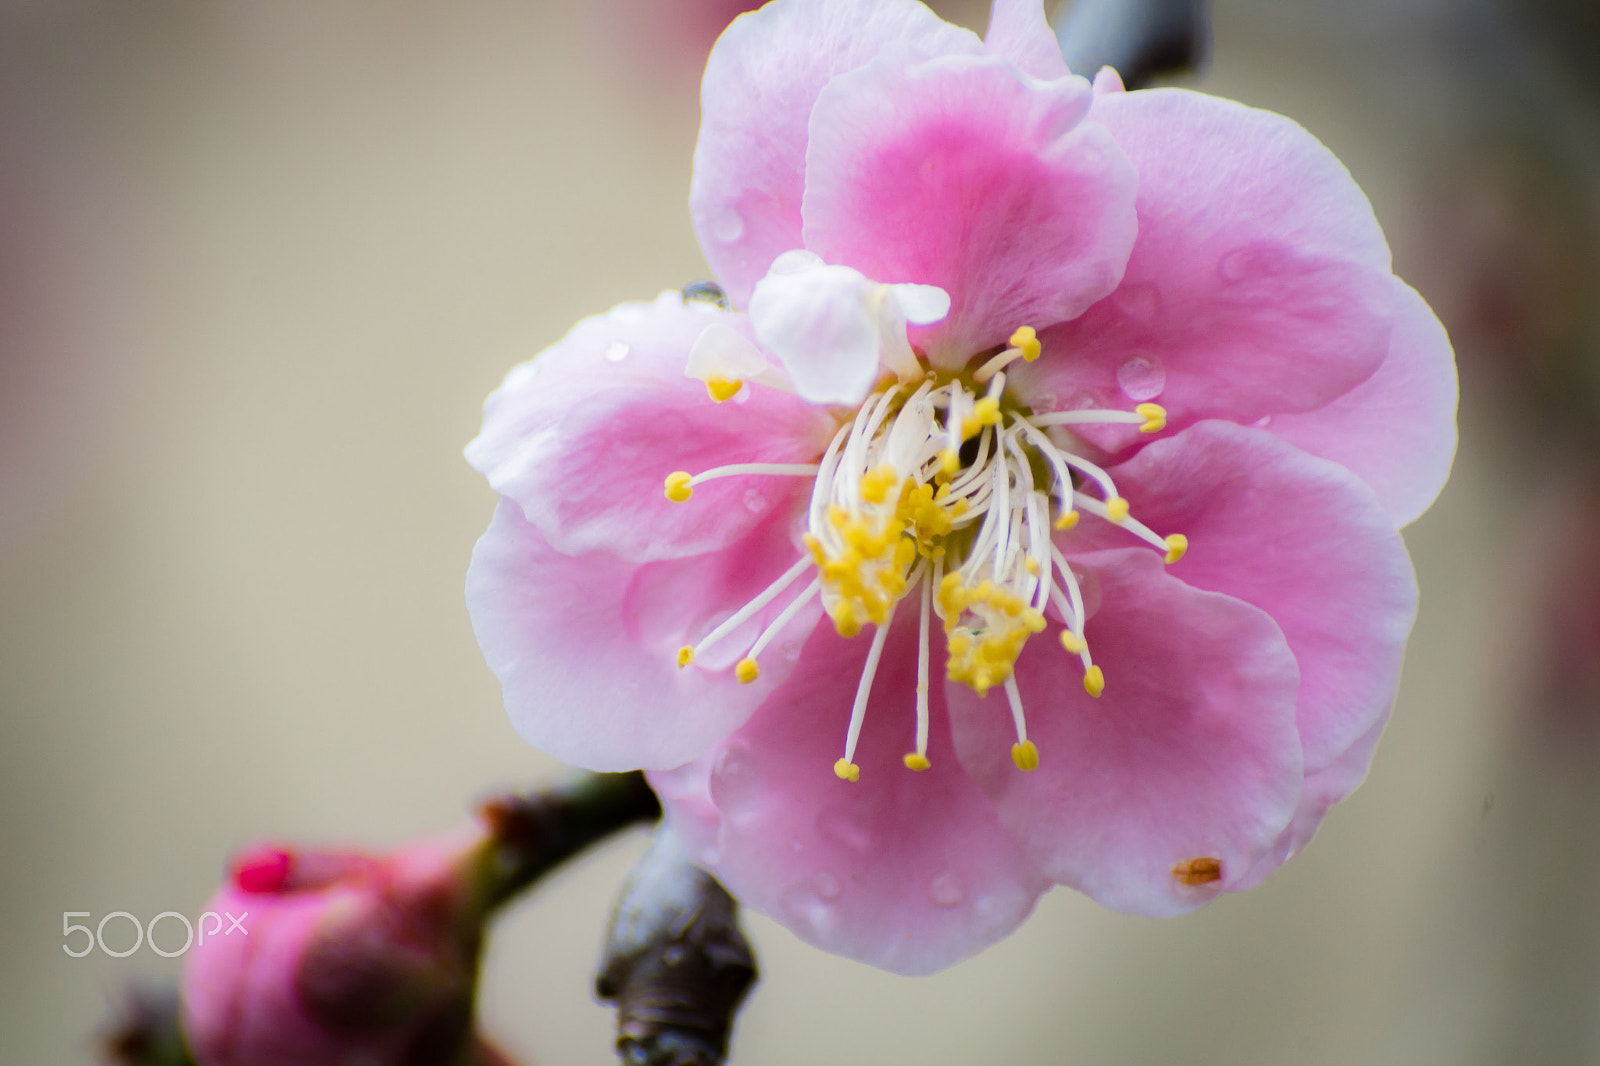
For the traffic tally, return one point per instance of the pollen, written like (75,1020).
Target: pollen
(678,489)
(747,671)
(685,656)
(1094,681)
(917,761)
(1025,755)
(1198,871)
(1117,509)
(1154,415)
(723,389)
(1177,545)
(1027,341)
(847,770)
(1067,520)
(1072,642)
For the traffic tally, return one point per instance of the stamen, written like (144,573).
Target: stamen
(918,760)
(1094,681)
(1025,753)
(783,619)
(735,469)
(1149,417)
(846,767)
(1024,345)
(1177,545)
(723,389)
(740,616)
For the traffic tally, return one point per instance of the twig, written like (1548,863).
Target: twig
(676,963)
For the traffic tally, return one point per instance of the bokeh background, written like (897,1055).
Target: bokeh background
(261,262)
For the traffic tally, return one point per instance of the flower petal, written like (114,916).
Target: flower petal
(1397,429)
(1019,32)
(761,81)
(585,646)
(906,871)
(1259,283)
(965,174)
(1322,790)
(584,436)
(1304,540)
(1191,753)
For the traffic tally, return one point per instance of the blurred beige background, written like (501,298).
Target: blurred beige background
(259,265)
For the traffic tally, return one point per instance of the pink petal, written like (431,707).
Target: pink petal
(907,871)
(585,646)
(1019,32)
(1322,790)
(1397,429)
(965,174)
(1190,753)
(1259,283)
(761,81)
(584,436)
(1304,540)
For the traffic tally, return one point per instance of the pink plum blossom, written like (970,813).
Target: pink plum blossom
(1026,515)
(340,957)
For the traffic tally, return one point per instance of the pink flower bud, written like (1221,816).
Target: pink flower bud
(339,957)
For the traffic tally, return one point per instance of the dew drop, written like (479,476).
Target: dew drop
(1139,300)
(947,890)
(616,351)
(826,884)
(736,782)
(841,827)
(790,650)
(1142,377)
(727,226)
(755,499)
(1237,265)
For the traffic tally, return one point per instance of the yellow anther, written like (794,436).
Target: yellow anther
(876,483)
(917,761)
(747,671)
(847,770)
(986,412)
(1034,620)
(949,461)
(1177,544)
(685,656)
(1067,520)
(1025,755)
(1031,565)
(1073,642)
(1094,681)
(1026,339)
(1154,415)
(1116,509)
(677,484)
(723,389)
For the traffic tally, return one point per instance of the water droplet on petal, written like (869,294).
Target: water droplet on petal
(947,890)
(826,884)
(736,782)
(1236,265)
(801,903)
(790,650)
(616,351)
(727,226)
(842,828)
(1042,402)
(1142,377)
(1138,300)
(1263,422)
(755,499)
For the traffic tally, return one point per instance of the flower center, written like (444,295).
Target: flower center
(946,490)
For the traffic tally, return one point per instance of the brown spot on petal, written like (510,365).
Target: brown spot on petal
(1198,871)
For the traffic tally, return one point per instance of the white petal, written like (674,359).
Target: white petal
(922,304)
(822,324)
(723,352)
